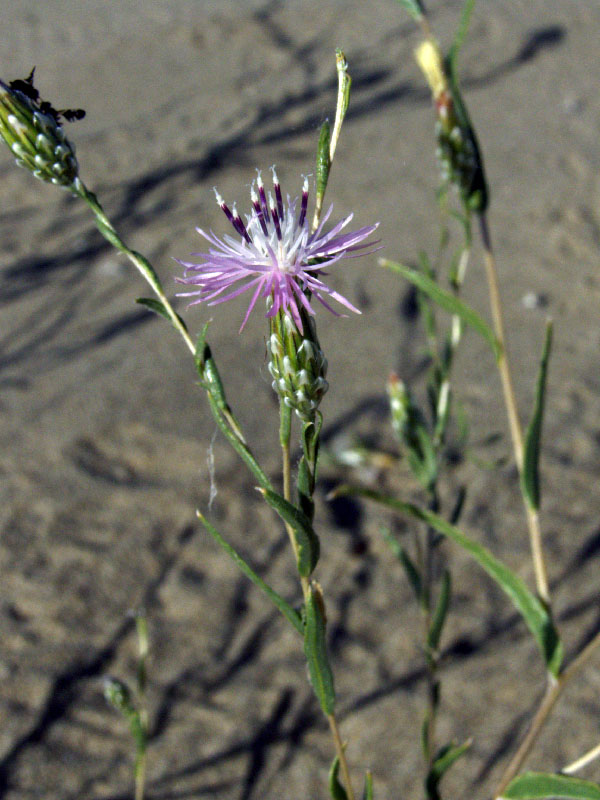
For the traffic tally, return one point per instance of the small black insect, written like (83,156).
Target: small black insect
(72,114)
(26,87)
(69,114)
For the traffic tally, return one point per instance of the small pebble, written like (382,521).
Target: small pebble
(531,300)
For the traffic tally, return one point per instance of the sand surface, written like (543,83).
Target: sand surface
(105,436)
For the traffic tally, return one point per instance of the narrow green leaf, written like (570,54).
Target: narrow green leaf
(446,758)
(315,650)
(425,735)
(282,605)
(307,468)
(463,27)
(145,268)
(423,458)
(530,478)
(540,785)
(412,573)
(336,790)
(415,8)
(345,83)
(306,539)
(425,307)
(211,381)
(447,301)
(531,609)
(202,350)
(323,160)
(154,305)
(439,616)
(368,792)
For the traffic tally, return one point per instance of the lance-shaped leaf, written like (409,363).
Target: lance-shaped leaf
(444,760)
(530,478)
(307,468)
(336,790)
(439,615)
(315,650)
(412,573)
(307,541)
(540,785)
(157,307)
(459,37)
(534,614)
(415,8)
(211,381)
(282,605)
(447,301)
(323,160)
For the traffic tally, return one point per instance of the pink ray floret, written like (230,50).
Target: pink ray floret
(274,254)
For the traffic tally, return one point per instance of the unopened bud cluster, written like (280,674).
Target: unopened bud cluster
(36,139)
(401,406)
(457,151)
(118,695)
(297,364)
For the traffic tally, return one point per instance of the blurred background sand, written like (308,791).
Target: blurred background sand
(105,435)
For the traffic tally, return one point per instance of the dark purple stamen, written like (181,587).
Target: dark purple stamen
(303,208)
(263,199)
(275,216)
(278,197)
(260,216)
(225,209)
(240,227)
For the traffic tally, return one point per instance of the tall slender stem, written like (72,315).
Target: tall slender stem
(431,657)
(285,420)
(284,440)
(140,776)
(535,536)
(553,692)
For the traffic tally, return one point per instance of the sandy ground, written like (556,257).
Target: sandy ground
(105,435)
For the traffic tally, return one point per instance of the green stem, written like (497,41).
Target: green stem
(341,754)
(285,427)
(140,775)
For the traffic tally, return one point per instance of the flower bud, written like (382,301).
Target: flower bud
(457,149)
(297,364)
(411,429)
(118,694)
(32,131)
(401,405)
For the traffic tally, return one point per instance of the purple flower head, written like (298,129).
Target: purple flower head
(273,255)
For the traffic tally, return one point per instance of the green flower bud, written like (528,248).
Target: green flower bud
(411,429)
(32,131)
(297,364)
(401,405)
(118,694)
